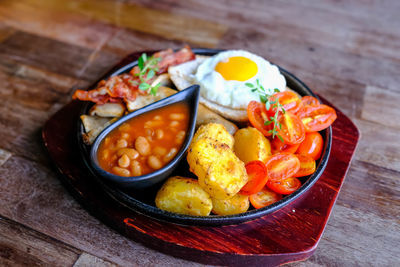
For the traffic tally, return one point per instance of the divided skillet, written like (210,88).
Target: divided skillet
(143,200)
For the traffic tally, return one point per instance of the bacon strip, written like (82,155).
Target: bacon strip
(125,87)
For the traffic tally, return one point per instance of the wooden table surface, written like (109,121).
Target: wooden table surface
(347,51)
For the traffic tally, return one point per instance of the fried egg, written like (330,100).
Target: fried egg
(223,77)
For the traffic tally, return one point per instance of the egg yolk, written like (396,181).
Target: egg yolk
(237,68)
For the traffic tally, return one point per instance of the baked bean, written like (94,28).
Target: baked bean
(180,136)
(174,123)
(105,154)
(153,124)
(176,116)
(154,162)
(149,132)
(121,171)
(130,152)
(171,154)
(159,151)
(124,127)
(121,143)
(125,136)
(142,146)
(107,141)
(159,134)
(136,168)
(124,161)
(157,118)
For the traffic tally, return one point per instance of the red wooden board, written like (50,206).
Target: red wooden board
(289,234)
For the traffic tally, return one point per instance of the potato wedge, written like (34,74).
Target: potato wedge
(251,144)
(144,100)
(235,205)
(94,126)
(185,196)
(214,131)
(221,173)
(108,110)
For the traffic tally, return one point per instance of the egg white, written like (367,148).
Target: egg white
(235,94)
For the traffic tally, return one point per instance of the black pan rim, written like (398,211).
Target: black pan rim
(211,220)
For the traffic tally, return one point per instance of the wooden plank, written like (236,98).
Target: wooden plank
(379,145)
(381,107)
(32,50)
(22,117)
(127,41)
(372,189)
(32,195)
(358,237)
(148,20)
(59,25)
(21,246)
(87,260)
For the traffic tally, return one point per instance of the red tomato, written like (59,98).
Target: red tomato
(312,145)
(257,116)
(289,100)
(257,173)
(290,128)
(281,166)
(286,186)
(307,166)
(309,100)
(264,198)
(278,146)
(317,117)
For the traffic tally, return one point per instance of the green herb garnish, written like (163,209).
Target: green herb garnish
(274,104)
(148,68)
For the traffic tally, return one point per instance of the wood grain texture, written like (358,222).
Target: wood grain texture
(20,246)
(347,51)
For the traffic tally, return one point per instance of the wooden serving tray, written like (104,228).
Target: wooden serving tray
(289,234)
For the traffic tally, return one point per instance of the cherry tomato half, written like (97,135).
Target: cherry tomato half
(264,198)
(257,116)
(291,129)
(257,173)
(286,186)
(312,145)
(289,100)
(309,100)
(278,146)
(307,166)
(317,117)
(281,166)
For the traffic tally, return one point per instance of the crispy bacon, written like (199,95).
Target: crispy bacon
(94,96)
(169,58)
(125,87)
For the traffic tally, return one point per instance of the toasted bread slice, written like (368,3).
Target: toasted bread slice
(183,76)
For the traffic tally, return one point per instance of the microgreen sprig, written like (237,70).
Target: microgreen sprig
(265,98)
(148,68)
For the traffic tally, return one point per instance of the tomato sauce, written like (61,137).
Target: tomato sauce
(145,143)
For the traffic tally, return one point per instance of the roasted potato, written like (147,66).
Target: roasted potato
(221,173)
(93,127)
(185,196)
(235,205)
(108,110)
(147,99)
(214,131)
(251,144)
